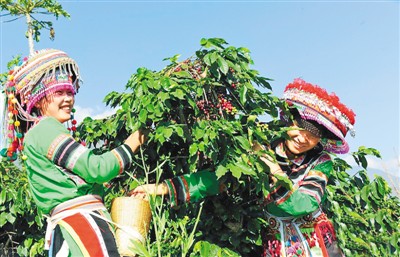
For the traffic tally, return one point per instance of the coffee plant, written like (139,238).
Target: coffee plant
(202,113)
(366,215)
(21,225)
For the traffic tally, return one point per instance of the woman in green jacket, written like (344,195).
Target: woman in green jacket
(65,177)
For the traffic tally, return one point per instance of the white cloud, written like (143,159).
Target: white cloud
(349,159)
(83,112)
(391,166)
(388,166)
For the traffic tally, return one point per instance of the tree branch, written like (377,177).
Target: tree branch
(14,19)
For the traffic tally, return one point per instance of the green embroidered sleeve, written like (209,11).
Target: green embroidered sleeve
(307,195)
(192,187)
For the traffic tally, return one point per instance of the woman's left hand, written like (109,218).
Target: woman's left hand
(149,189)
(274,167)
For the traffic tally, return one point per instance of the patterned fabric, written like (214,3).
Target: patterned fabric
(81,229)
(65,152)
(310,236)
(314,103)
(60,169)
(315,128)
(37,74)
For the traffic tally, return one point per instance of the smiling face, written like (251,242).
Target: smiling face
(301,140)
(58,105)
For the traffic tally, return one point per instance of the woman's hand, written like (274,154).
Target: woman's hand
(267,159)
(274,167)
(149,189)
(136,139)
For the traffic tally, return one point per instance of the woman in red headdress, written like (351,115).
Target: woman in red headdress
(297,225)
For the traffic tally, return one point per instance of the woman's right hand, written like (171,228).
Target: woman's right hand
(136,139)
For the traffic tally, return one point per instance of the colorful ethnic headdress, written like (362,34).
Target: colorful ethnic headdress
(315,104)
(41,74)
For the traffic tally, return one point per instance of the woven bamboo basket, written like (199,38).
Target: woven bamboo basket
(133,217)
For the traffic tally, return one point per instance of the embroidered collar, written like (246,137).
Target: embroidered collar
(280,150)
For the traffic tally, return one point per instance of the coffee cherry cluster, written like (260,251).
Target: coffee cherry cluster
(226,105)
(262,126)
(204,106)
(194,68)
(214,110)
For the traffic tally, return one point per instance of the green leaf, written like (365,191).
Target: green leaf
(11,218)
(358,217)
(212,134)
(251,119)
(382,186)
(173,59)
(369,151)
(207,59)
(235,170)
(198,133)
(364,194)
(374,191)
(243,50)
(150,108)
(360,241)
(143,116)
(214,56)
(89,130)
(284,180)
(223,65)
(364,162)
(243,94)
(3,196)
(182,74)
(179,131)
(179,94)
(245,169)
(193,149)
(162,96)
(220,171)
(167,132)
(204,42)
(244,142)
(201,146)
(3,219)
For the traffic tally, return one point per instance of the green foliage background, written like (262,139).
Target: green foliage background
(202,114)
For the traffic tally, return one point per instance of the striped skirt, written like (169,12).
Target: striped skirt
(80,227)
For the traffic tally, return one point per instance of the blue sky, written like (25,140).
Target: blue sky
(349,47)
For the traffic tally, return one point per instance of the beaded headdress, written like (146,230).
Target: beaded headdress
(315,104)
(42,73)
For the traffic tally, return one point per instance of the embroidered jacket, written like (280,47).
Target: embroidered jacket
(60,169)
(309,174)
